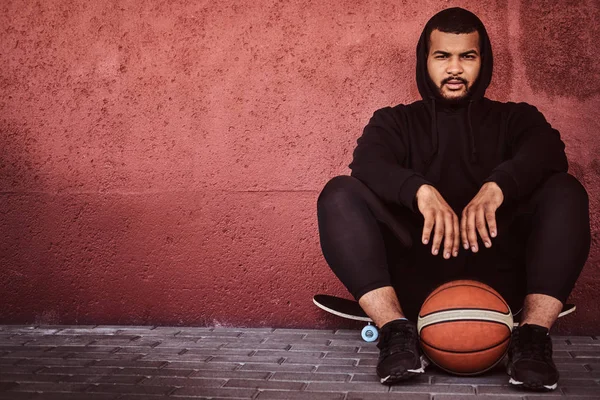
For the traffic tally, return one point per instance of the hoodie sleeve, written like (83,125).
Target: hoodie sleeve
(536,151)
(378,159)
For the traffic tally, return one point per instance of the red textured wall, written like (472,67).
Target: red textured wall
(160,161)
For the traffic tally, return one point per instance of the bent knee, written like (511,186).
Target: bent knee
(340,188)
(565,187)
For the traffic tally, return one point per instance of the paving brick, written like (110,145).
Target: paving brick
(83,349)
(578,382)
(105,356)
(77,371)
(216,392)
(387,396)
(346,369)
(128,364)
(19,369)
(12,377)
(152,350)
(583,339)
(220,352)
(260,384)
(15,329)
(497,379)
(76,396)
(170,381)
(579,367)
(187,344)
(50,387)
(116,379)
(60,341)
(89,331)
(421,379)
(581,391)
(248,359)
(174,357)
(71,362)
(298,339)
(352,354)
(285,353)
(346,387)
(314,347)
(142,342)
(257,346)
(278,367)
(126,389)
(483,397)
(285,395)
(8,385)
(450,389)
(303,331)
(319,361)
(182,373)
(514,391)
(221,366)
(587,354)
(307,376)
(231,374)
(17,396)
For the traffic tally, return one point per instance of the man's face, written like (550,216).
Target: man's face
(453,63)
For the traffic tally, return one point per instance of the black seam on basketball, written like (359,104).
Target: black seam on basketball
(464,308)
(466,352)
(468,285)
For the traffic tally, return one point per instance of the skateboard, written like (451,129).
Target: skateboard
(350,309)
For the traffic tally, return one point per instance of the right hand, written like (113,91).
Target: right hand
(438,215)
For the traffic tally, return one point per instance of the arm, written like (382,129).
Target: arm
(378,158)
(536,151)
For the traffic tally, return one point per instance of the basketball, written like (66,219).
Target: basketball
(465,327)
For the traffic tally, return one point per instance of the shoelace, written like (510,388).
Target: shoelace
(532,346)
(398,340)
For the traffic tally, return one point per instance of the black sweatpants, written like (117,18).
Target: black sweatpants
(541,247)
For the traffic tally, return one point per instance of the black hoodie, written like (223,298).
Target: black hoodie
(456,149)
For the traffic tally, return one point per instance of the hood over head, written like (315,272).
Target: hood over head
(454,20)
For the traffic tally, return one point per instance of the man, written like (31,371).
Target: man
(457,186)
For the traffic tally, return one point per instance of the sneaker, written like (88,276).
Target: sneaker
(399,354)
(530,362)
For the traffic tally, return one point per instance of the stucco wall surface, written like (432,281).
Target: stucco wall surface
(160,161)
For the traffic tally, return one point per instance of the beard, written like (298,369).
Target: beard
(455,99)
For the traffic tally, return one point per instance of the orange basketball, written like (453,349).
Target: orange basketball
(465,327)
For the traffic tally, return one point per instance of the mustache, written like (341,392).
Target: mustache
(464,81)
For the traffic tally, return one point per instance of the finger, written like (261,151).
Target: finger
(482,227)
(471,235)
(427,227)
(456,243)
(438,234)
(463,230)
(490,217)
(448,235)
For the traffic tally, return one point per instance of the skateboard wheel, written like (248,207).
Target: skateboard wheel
(369,333)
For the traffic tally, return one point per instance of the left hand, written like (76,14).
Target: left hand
(479,215)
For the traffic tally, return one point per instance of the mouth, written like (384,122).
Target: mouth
(455,85)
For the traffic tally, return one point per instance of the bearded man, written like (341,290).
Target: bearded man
(457,186)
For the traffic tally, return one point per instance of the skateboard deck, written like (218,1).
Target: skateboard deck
(350,309)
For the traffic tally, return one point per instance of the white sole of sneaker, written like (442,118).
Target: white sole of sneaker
(517,383)
(424,363)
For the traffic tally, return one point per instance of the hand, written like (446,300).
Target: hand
(438,214)
(481,210)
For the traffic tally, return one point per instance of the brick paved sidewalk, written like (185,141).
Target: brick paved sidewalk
(126,362)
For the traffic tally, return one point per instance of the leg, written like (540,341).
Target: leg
(381,305)
(557,247)
(353,240)
(350,226)
(556,250)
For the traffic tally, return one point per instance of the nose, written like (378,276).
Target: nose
(454,67)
